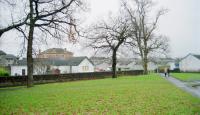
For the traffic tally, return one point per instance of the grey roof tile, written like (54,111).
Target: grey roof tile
(74,61)
(197,56)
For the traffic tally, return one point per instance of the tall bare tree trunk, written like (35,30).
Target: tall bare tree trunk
(114,62)
(145,64)
(29,49)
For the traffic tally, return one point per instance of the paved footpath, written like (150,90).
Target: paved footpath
(195,91)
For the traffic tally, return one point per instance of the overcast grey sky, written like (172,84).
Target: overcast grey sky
(181,24)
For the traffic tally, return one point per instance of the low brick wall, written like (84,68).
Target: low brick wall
(39,79)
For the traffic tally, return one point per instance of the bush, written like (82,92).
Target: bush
(4,72)
(177,70)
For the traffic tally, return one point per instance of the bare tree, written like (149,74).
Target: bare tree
(15,22)
(40,66)
(109,36)
(145,40)
(51,17)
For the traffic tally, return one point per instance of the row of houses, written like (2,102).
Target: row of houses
(125,64)
(50,61)
(54,66)
(189,63)
(61,61)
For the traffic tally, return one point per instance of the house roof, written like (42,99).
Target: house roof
(2,52)
(74,61)
(125,62)
(56,50)
(22,62)
(100,60)
(8,56)
(197,56)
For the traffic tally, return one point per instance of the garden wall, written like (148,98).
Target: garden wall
(39,79)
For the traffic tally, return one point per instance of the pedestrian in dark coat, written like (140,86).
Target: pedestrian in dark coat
(165,71)
(168,71)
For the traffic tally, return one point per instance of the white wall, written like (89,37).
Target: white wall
(152,66)
(134,66)
(103,66)
(18,70)
(38,70)
(63,69)
(76,69)
(190,63)
(172,65)
(85,62)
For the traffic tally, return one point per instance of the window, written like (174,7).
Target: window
(23,72)
(85,68)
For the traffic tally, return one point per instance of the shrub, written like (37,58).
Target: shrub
(177,70)
(4,72)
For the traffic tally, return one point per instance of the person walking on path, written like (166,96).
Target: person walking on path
(168,71)
(165,71)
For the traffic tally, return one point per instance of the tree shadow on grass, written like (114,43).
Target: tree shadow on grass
(12,88)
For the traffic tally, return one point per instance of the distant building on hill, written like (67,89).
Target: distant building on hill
(55,53)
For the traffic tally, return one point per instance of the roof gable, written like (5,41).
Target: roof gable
(190,54)
(197,56)
(2,52)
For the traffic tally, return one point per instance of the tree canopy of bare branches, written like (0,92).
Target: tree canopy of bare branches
(109,36)
(145,40)
(53,18)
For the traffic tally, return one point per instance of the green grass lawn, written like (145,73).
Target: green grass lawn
(186,76)
(148,94)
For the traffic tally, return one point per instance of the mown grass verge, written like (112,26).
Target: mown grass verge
(148,94)
(187,76)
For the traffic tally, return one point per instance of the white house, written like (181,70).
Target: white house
(21,67)
(163,63)
(104,66)
(122,65)
(101,63)
(18,70)
(134,64)
(138,66)
(73,65)
(190,63)
(172,65)
(44,66)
